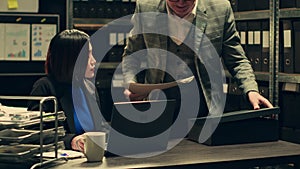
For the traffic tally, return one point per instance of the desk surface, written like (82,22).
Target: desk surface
(191,154)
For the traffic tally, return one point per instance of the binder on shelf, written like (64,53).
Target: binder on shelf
(92,13)
(265,55)
(288,43)
(234,5)
(261,4)
(233,97)
(243,5)
(289,3)
(241,27)
(296,25)
(76,8)
(100,9)
(254,46)
(264,90)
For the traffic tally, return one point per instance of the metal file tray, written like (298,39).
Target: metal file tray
(18,151)
(11,117)
(16,135)
(48,117)
(9,136)
(23,152)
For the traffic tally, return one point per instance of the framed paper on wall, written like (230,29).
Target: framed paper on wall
(41,35)
(2,29)
(17,42)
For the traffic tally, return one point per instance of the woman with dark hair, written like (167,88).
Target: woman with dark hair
(69,66)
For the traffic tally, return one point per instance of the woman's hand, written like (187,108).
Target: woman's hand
(77,143)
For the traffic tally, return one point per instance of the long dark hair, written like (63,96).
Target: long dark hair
(63,52)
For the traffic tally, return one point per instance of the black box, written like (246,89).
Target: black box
(246,126)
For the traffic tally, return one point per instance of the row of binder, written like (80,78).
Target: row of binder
(116,41)
(255,39)
(289,46)
(249,5)
(102,9)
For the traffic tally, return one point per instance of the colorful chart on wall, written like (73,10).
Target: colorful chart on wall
(2,29)
(17,42)
(41,36)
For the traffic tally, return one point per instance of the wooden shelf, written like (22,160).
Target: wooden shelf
(88,26)
(265,14)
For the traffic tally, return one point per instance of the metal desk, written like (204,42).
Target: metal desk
(189,154)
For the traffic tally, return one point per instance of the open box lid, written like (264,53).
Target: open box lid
(245,126)
(241,115)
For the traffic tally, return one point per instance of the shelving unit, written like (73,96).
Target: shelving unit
(264,14)
(273,15)
(42,100)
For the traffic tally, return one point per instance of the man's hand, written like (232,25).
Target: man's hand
(258,100)
(133,96)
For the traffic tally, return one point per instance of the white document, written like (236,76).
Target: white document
(69,154)
(16,114)
(17,42)
(141,88)
(41,36)
(2,39)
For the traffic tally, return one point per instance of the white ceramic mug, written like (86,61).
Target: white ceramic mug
(94,146)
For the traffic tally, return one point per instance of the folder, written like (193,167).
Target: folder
(254,46)
(233,98)
(234,5)
(288,43)
(264,90)
(241,27)
(296,25)
(265,37)
(290,106)
(126,8)
(287,3)
(243,5)
(261,4)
